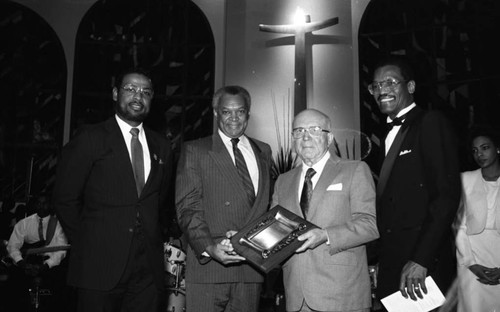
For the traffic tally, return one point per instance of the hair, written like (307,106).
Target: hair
(134,70)
(400,62)
(231,90)
(486,131)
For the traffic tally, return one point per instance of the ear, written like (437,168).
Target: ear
(115,94)
(411,86)
(330,138)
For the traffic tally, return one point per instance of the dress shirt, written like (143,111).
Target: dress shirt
(247,151)
(318,167)
(395,129)
(125,128)
(26,231)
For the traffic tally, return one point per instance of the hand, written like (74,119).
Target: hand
(313,239)
(413,278)
(487,276)
(224,253)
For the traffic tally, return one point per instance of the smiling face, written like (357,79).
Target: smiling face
(484,152)
(133,107)
(312,148)
(391,100)
(232,115)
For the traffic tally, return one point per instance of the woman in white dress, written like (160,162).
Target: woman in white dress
(478,235)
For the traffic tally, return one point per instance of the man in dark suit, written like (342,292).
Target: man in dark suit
(330,270)
(212,199)
(418,190)
(110,188)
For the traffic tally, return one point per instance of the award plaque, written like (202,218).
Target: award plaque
(271,239)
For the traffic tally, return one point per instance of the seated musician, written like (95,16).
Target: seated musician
(38,231)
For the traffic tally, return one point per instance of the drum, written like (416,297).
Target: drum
(174,256)
(176,300)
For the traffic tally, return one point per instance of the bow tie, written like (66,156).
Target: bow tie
(398,121)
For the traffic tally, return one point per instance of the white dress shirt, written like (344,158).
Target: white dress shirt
(26,231)
(395,129)
(125,128)
(247,151)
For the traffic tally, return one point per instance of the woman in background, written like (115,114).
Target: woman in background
(478,236)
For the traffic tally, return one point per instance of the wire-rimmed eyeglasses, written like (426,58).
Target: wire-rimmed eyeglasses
(131,89)
(376,86)
(314,131)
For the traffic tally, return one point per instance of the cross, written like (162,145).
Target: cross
(300,30)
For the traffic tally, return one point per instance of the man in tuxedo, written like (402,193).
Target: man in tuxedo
(418,190)
(329,272)
(216,194)
(110,189)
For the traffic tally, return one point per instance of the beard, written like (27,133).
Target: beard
(131,115)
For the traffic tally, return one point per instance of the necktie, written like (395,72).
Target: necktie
(40,230)
(137,160)
(398,121)
(242,168)
(307,191)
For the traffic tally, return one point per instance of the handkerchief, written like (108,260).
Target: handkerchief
(404,152)
(335,187)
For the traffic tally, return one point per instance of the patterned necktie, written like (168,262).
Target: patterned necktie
(242,168)
(307,191)
(137,160)
(40,230)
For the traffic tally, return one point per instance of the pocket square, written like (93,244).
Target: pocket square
(335,187)
(404,152)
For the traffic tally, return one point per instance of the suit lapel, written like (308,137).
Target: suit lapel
(224,163)
(329,171)
(116,142)
(154,154)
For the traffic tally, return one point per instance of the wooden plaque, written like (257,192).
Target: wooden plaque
(271,239)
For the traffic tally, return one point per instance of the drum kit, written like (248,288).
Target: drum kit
(175,264)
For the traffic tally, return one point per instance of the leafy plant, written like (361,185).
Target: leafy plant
(285,158)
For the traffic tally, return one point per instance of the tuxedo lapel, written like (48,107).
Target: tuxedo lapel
(390,159)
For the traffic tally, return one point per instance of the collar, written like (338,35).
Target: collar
(318,167)
(403,111)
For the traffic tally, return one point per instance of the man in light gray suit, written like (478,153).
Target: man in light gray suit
(329,272)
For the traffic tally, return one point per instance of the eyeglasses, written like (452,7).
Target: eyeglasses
(131,89)
(314,131)
(376,86)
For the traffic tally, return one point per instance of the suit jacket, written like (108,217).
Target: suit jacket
(332,277)
(472,215)
(418,193)
(96,200)
(210,201)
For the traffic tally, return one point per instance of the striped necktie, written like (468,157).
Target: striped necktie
(242,168)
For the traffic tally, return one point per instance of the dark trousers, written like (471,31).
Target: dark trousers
(135,292)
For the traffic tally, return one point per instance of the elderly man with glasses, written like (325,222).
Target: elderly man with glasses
(418,189)
(329,271)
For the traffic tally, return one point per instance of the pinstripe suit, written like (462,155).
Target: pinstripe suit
(210,200)
(96,200)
